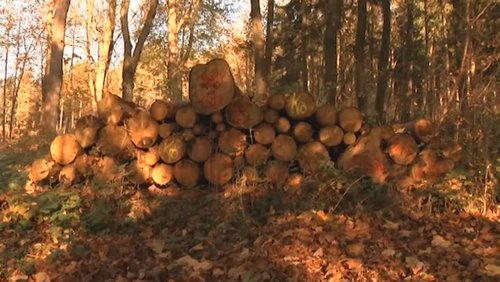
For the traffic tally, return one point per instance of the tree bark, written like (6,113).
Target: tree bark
(333,20)
(359,55)
(383,70)
(105,50)
(258,46)
(131,58)
(52,80)
(269,41)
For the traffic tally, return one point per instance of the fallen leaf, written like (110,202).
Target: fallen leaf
(352,263)
(388,253)
(492,270)
(236,272)
(198,247)
(41,277)
(391,225)
(355,249)
(188,261)
(414,264)
(438,241)
(217,272)
(157,245)
(318,252)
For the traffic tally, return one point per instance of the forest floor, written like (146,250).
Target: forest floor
(343,230)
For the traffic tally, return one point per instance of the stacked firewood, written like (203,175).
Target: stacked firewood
(221,135)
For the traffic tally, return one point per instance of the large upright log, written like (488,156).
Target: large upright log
(64,149)
(86,129)
(243,113)
(218,169)
(211,86)
(300,106)
(142,129)
(366,157)
(114,141)
(402,149)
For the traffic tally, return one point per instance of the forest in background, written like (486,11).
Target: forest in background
(396,61)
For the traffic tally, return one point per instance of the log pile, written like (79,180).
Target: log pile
(221,134)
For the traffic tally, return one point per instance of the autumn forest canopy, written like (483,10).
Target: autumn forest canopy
(249,140)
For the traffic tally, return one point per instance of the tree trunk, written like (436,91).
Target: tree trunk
(383,71)
(333,20)
(359,55)
(258,46)
(4,119)
(174,80)
(52,81)
(105,50)
(131,58)
(269,41)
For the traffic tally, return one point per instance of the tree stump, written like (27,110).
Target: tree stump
(211,86)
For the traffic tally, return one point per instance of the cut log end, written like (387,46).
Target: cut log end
(218,169)
(64,149)
(300,106)
(187,173)
(350,119)
(284,148)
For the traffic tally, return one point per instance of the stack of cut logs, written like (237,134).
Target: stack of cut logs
(221,135)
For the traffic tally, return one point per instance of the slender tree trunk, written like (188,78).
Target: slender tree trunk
(54,77)
(88,32)
(383,71)
(359,55)
(258,46)
(333,20)
(407,87)
(174,80)
(105,50)
(269,41)
(131,58)
(5,73)
(304,45)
